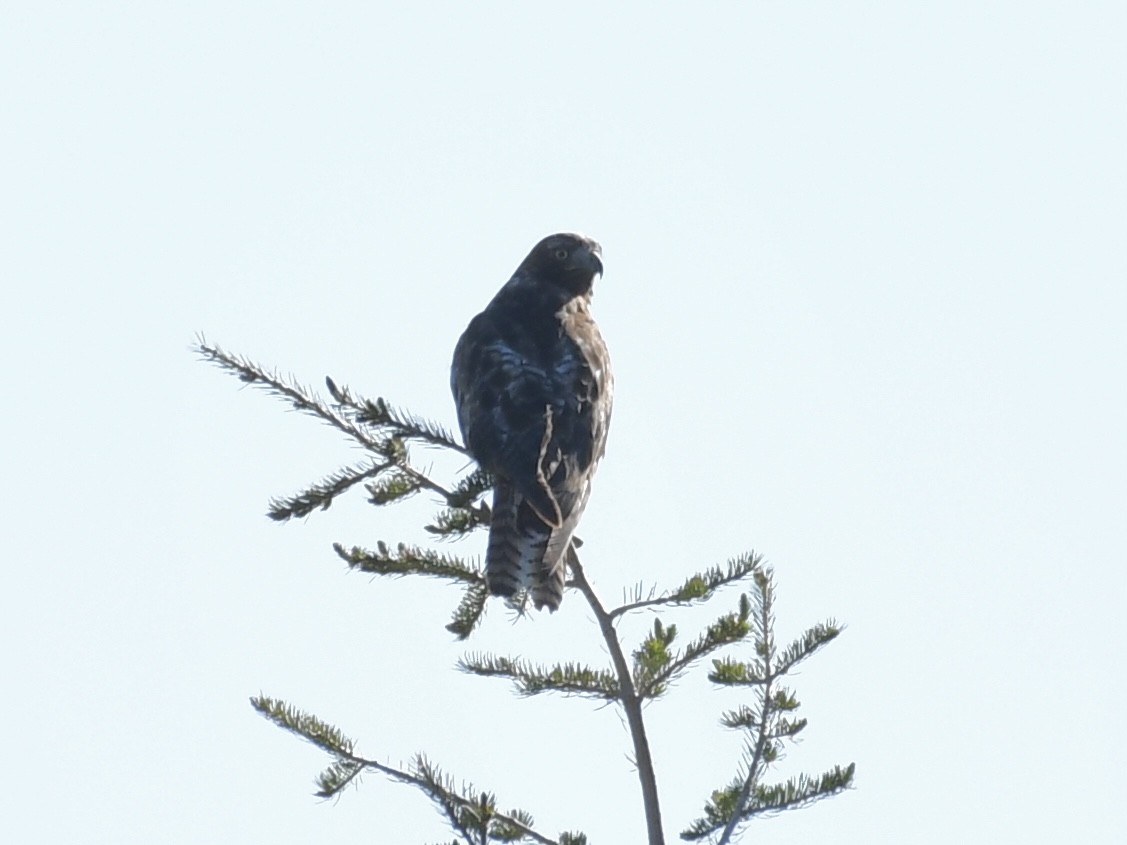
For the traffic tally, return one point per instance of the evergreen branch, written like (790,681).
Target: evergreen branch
(728,672)
(726,806)
(652,657)
(475,817)
(470,488)
(640,598)
(457,522)
(767,722)
(757,762)
(801,791)
(418,476)
(720,807)
(642,604)
(442,791)
(742,717)
(412,560)
(396,484)
(574,838)
(700,587)
(338,775)
(300,397)
(462,516)
(628,696)
(383,416)
(749,718)
(409,560)
(781,700)
(529,680)
(812,640)
(787,728)
(469,611)
(383,431)
(764,621)
(321,494)
(653,678)
(308,727)
(510,830)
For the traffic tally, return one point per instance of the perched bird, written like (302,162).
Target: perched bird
(533,387)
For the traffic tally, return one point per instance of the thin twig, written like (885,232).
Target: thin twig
(424,480)
(405,423)
(340,787)
(407,777)
(622,610)
(311,403)
(631,703)
(301,399)
(710,581)
(752,774)
(760,740)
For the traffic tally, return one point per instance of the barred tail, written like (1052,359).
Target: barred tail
(516,543)
(549,577)
(524,553)
(548,584)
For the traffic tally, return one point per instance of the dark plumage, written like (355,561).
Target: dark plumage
(533,386)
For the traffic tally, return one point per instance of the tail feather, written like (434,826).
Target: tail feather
(549,577)
(548,585)
(514,551)
(526,553)
(523,553)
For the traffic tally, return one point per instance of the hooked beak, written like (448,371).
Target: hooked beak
(595,259)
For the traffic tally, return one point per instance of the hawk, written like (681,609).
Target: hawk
(533,387)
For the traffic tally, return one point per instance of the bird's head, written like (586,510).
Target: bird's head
(566,261)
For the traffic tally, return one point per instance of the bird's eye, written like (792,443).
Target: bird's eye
(561,253)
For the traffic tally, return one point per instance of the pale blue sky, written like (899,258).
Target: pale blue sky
(866,293)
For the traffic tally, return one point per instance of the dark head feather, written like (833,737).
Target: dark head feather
(566,261)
